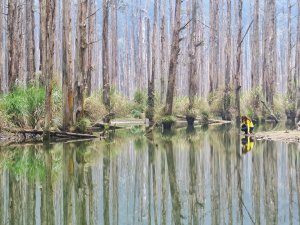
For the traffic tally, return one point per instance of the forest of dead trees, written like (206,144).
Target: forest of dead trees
(193,48)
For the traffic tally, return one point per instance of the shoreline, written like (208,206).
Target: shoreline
(288,136)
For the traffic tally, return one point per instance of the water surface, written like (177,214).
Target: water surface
(202,177)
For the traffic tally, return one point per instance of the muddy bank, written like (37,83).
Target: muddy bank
(284,136)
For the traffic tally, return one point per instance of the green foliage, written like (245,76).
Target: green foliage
(94,108)
(168,119)
(82,125)
(205,117)
(139,105)
(24,107)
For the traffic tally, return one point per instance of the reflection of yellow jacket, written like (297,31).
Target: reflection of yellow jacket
(248,146)
(249,124)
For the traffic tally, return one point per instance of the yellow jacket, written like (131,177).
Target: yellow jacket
(249,124)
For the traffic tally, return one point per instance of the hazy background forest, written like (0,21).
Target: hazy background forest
(111,52)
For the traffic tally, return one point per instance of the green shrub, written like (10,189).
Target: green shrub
(82,125)
(24,107)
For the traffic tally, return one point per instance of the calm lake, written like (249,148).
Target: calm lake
(209,176)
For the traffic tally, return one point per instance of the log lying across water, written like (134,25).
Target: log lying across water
(60,134)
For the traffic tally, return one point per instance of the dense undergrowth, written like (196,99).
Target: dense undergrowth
(25,107)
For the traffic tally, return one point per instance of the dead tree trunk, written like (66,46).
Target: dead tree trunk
(67,66)
(151,79)
(81,61)
(228,67)
(105,56)
(237,82)
(175,49)
(30,41)
(49,63)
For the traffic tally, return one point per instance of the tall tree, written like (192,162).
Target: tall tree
(163,36)
(91,40)
(193,85)
(214,46)
(12,44)
(114,43)
(81,60)
(105,56)
(151,79)
(30,48)
(237,78)
(255,51)
(48,67)
(67,66)
(175,49)
(291,84)
(297,69)
(1,50)
(270,51)
(228,67)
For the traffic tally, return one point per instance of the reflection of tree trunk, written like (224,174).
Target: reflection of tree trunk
(68,183)
(91,196)
(176,206)
(47,195)
(239,167)
(290,180)
(256,186)
(215,192)
(81,216)
(228,177)
(271,184)
(115,196)
(192,191)
(106,175)
(2,193)
(298,182)
(163,189)
(13,199)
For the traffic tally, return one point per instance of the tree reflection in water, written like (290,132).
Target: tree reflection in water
(198,177)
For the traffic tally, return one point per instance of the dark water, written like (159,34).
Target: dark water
(197,178)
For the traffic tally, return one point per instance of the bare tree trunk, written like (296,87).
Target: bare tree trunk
(297,69)
(67,66)
(214,46)
(175,49)
(105,56)
(1,50)
(255,48)
(228,67)
(193,86)
(81,61)
(11,40)
(151,79)
(163,69)
(42,35)
(30,41)
(114,46)
(91,39)
(291,85)
(49,63)
(238,61)
(270,52)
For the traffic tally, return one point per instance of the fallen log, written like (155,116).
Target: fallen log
(52,133)
(270,111)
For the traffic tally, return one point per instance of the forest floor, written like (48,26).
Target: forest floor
(289,136)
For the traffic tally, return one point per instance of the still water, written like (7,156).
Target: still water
(204,177)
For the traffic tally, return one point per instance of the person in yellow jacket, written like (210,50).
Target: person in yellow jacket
(248,144)
(247,125)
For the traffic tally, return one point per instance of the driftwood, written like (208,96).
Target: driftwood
(270,111)
(99,126)
(59,134)
(210,121)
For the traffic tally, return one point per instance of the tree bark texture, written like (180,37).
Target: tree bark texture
(175,49)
